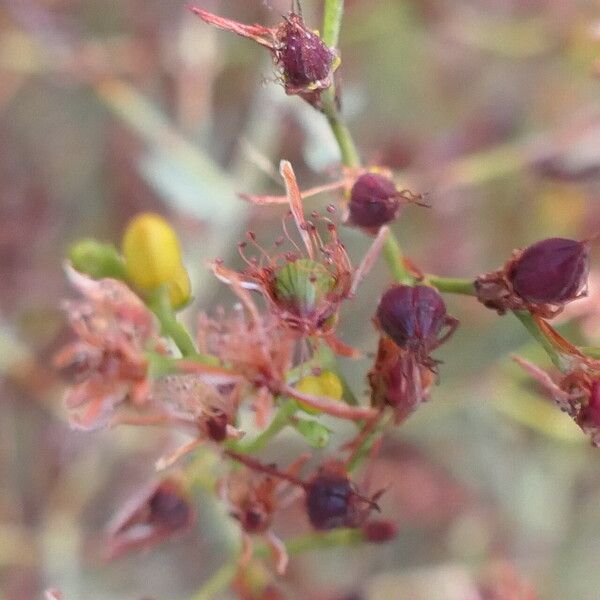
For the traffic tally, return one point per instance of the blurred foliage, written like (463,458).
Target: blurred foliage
(488,106)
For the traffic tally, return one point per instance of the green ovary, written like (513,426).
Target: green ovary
(302,284)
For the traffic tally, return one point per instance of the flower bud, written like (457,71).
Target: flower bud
(302,285)
(153,257)
(413,317)
(551,271)
(374,201)
(326,384)
(97,260)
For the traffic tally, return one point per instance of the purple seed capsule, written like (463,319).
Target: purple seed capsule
(552,271)
(414,317)
(329,501)
(303,56)
(591,412)
(374,201)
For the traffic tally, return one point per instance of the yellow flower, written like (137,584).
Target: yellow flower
(153,257)
(326,384)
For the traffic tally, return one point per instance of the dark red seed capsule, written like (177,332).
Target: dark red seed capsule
(169,508)
(551,271)
(374,201)
(591,413)
(217,426)
(413,316)
(329,501)
(303,56)
(379,531)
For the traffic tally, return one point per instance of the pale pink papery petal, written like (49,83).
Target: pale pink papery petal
(561,397)
(261,200)
(369,258)
(258,33)
(295,200)
(332,407)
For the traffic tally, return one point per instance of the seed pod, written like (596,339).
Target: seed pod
(379,531)
(374,201)
(153,257)
(304,58)
(552,271)
(414,317)
(329,501)
(590,414)
(302,286)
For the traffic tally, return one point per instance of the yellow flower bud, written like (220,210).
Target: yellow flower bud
(326,384)
(153,257)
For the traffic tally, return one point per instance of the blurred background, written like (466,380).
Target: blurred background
(491,107)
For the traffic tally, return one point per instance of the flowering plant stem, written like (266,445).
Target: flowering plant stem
(160,305)
(280,421)
(532,327)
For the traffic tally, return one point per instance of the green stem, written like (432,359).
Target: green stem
(591,351)
(332,22)
(280,421)
(348,150)
(363,449)
(160,305)
(395,260)
(451,285)
(316,540)
(217,583)
(531,326)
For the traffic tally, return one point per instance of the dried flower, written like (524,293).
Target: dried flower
(253,495)
(107,364)
(398,380)
(542,278)
(260,350)
(153,258)
(153,515)
(208,410)
(306,65)
(576,392)
(305,288)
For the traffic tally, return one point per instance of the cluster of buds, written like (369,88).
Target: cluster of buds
(413,323)
(125,372)
(541,278)
(305,63)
